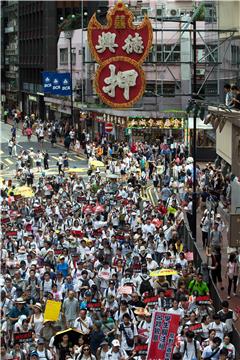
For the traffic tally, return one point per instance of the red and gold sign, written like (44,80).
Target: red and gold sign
(120,49)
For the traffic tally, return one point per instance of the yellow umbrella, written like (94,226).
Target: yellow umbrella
(96,163)
(76,170)
(24,191)
(163,272)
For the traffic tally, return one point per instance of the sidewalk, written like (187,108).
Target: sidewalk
(59,143)
(234,302)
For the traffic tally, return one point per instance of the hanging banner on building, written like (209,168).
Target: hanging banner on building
(56,83)
(120,49)
(163,334)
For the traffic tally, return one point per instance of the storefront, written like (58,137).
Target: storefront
(205,138)
(152,129)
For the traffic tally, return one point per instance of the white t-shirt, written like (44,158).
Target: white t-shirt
(189,354)
(42,355)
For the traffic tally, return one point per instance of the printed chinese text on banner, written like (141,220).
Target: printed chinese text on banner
(163,334)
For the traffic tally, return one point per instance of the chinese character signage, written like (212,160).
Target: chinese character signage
(56,83)
(120,49)
(162,123)
(163,334)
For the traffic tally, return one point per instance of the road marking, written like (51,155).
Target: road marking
(1,152)
(9,161)
(54,157)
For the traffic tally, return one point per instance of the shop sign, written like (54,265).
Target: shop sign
(162,123)
(120,49)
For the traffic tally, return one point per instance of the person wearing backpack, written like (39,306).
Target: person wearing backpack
(190,348)
(43,353)
(145,282)
(127,334)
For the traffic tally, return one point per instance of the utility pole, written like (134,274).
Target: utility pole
(194,143)
(71,73)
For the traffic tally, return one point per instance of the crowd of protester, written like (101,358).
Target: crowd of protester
(92,244)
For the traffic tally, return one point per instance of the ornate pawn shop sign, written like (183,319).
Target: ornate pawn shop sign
(120,49)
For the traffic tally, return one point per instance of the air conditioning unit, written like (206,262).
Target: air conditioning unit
(173,13)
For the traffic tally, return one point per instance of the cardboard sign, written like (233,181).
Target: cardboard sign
(23,337)
(201,300)
(189,256)
(196,328)
(163,335)
(52,310)
(127,290)
(95,306)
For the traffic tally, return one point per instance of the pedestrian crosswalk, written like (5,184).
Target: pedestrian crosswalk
(7,163)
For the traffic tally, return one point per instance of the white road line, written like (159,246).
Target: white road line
(9,161)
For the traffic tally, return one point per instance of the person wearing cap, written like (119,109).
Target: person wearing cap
(43,353)
(33,355)
(216,237)
(116,352)
(102,350)
(151,264)
(62,266)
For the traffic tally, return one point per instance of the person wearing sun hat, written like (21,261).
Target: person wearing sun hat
(37,318)
(20,308)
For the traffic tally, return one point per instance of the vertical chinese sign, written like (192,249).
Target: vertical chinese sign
(162,339)
(120,47)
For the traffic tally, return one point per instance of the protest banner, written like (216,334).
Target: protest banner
(52,310)
(95,306)
(203,300)
(163,334)
(12,233)
(23,337)
(196,328)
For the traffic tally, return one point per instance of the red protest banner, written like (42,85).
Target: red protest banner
(196,328)
(202,300)
(23,337)
(96,306)
(163,334)
(12,233)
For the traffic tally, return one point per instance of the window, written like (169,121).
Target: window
(168,89)
(73,56)
(235,55)
(175,55)
(64,56)
(213,57)
(159,53)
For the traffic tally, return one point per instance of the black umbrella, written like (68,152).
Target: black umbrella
(73,336)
